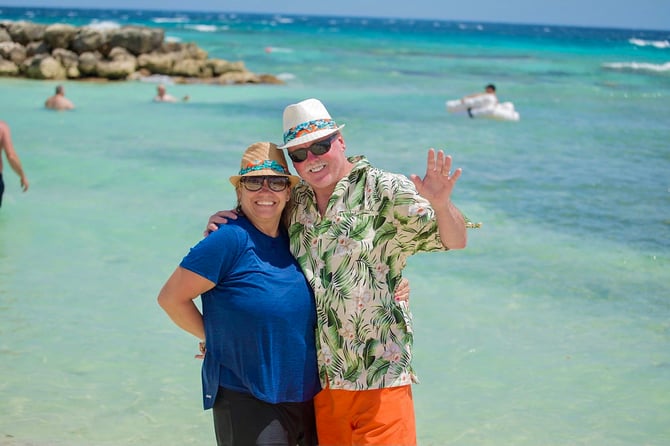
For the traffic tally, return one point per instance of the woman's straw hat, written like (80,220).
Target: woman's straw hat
(263,158)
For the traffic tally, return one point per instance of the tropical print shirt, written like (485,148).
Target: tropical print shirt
(353,258)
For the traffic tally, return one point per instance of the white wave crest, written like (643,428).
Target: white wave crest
(464,26)
(639,66)
(283,20)
(103,24)
(286,76)
(661,44)
(170,19)
(203,28)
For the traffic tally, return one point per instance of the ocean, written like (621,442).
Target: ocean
(551,328)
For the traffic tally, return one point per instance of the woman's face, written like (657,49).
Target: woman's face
(263,198)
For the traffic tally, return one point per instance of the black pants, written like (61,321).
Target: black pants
(242,420)
(2,187)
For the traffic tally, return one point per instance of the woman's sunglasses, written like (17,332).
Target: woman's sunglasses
(255,183)
(318,148)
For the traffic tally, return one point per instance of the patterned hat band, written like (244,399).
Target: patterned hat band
(308,127)
(267,164)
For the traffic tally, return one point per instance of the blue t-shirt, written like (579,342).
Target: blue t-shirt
(260,318)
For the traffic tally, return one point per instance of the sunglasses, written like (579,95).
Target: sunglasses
(318,148)
(255,183)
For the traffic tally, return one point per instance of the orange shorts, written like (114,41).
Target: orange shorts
(366,417)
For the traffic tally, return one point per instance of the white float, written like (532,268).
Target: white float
(484,106)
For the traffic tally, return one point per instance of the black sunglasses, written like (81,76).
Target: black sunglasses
(318,148)
(255,183)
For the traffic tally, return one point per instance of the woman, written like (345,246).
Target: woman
(258,317)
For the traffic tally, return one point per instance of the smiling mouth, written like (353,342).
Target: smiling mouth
(317,168)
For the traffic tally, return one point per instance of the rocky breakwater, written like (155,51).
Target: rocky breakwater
(62,51)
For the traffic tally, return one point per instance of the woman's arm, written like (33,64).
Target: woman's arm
(176,298)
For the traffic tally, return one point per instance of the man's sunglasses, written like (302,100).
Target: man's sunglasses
(318,148)
(255,183)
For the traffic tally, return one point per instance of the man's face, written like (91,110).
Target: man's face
(322,162)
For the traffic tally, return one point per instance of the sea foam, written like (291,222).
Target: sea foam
(661,44)
(638,66)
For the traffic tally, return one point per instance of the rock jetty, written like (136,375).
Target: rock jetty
(61,51)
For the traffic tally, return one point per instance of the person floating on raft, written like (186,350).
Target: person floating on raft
(484,105)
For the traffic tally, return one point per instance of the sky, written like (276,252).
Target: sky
(634,14)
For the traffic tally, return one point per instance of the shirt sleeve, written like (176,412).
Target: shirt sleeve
(214,256)
(414,217)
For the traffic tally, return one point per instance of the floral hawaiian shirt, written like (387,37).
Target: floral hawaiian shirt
(353,258)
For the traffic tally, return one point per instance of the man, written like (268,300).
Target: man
(7,147)
(352,229)
(481,100)
(58,101)
(163,96)
(489,91)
